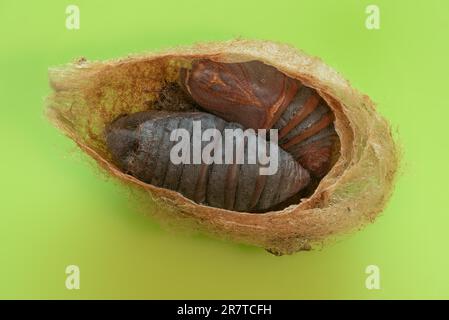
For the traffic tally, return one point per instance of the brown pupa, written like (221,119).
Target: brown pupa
(90,95)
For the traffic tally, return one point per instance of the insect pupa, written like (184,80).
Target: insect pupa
(257,95)
(141,146)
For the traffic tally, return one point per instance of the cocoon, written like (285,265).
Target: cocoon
(89,95)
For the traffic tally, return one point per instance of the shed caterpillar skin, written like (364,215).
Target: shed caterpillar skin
(257,95)
(140,145)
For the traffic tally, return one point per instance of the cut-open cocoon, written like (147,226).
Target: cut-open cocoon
(89,95)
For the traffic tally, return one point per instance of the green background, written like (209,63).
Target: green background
(57,209)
